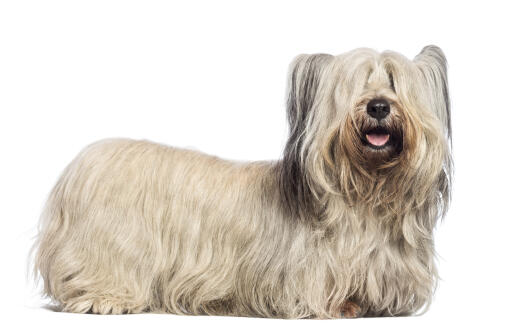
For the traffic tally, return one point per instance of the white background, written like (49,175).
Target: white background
(211,75)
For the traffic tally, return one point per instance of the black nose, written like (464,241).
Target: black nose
(378,108)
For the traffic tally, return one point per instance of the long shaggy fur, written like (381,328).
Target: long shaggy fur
(134,226)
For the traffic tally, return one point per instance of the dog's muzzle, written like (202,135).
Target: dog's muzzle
(378,108)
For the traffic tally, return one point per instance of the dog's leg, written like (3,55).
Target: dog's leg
(97,272)
(81,286)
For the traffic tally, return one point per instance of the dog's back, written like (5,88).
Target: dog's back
(116,224)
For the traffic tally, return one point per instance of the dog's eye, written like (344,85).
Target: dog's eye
(391,79)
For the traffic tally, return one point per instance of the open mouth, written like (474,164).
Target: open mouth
(377,138)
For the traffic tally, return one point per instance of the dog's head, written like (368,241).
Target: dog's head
(371,127)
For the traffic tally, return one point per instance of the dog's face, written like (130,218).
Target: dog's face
(373,135)
(397,108)
(364,123)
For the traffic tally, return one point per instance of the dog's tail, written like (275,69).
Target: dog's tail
(47,251)
(51,232)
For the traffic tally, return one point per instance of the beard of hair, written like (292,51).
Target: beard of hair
(373,179)
(383,187)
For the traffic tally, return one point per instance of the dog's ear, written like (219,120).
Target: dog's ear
(433,65)
(304,83)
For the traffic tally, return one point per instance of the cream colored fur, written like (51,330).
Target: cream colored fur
(134,226)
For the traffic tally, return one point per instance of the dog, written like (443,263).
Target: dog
(341,226)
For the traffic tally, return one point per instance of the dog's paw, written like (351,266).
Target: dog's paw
(350,310)
(108,306)
(103,305)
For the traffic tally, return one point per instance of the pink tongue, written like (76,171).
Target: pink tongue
(377,139)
